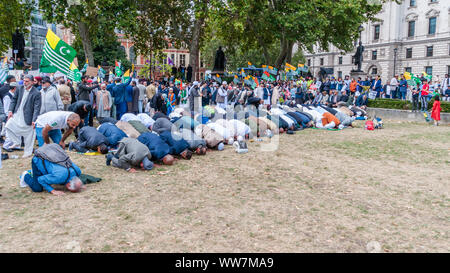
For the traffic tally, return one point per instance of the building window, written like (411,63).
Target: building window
(201,63)
(321,61)
(412,3)
(448,69)
(429,70)
(182,59)
(376,35)
(340,74)
(411,28)
(309,62)
(374,55)
(374,71)
(409,53)
(432,25)
(429,51)
(408,69)
(340,60)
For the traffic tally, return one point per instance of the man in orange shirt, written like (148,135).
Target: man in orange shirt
(353,84)
(329,121)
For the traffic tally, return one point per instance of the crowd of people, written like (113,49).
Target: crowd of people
(141,122)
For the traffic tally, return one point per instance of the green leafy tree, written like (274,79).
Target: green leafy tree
(105,47)
(259,23)
(84,17)
(14,15)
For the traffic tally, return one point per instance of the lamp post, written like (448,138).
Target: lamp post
(395,60)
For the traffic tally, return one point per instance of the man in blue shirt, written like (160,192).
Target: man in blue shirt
(120,96)
(377,86)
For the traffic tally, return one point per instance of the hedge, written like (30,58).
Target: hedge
(404,105)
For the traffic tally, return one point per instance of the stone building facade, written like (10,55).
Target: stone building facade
(412,36)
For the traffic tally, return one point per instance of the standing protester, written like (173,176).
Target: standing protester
(394,86)
(424,95)
(194,97)
(103,103)
(51,101)
(135,99)
(5,88)
(65,94)
(119,96)
(141,99)
(402,87)
(23,112)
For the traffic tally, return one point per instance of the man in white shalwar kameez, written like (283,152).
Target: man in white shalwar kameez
(23,112)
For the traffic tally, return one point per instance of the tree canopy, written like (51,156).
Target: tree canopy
(15,14)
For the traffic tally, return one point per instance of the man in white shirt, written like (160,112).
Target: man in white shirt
(445,83)
(49,125)
(394,85)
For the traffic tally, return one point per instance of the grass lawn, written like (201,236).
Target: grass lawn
(321,191)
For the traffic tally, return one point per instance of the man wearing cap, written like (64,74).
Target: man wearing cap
(195,97)
(49,125)
(5,88)
(23,111)
(131,153)
(51,100)
(103,103)
(222,95)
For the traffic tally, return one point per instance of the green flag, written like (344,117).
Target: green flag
(74,73)
(57,55)
(117,69)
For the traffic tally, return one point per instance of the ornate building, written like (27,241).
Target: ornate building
(412,36)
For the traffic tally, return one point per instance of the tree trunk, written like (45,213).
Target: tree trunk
(194,48)
(283,53)
(289,52)
(86,41)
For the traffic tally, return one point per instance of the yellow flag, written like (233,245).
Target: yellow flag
(264,66)
(127,73)
(217,75)
(407,75)
(249,63)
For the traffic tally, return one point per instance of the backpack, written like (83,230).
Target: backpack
(369,125)
(54,153)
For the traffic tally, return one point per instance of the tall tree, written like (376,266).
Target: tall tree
(305,22)
(84,16)
(14,14)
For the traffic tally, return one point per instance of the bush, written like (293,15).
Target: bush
(404,105)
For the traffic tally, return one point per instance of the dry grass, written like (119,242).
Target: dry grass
(322,191)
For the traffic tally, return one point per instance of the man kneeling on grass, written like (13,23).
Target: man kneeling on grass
(90,139)
(52,166)
(131,153)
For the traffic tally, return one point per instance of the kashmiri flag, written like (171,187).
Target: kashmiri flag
(4,70)
(265,76)
(218,79)
(242,73)
(407,75)
(101,72)
(290,67)
(118,71)
(426,76)
(57,55)
(273,70)
(74,74)
(126,75)
(86,65)
(236,79)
